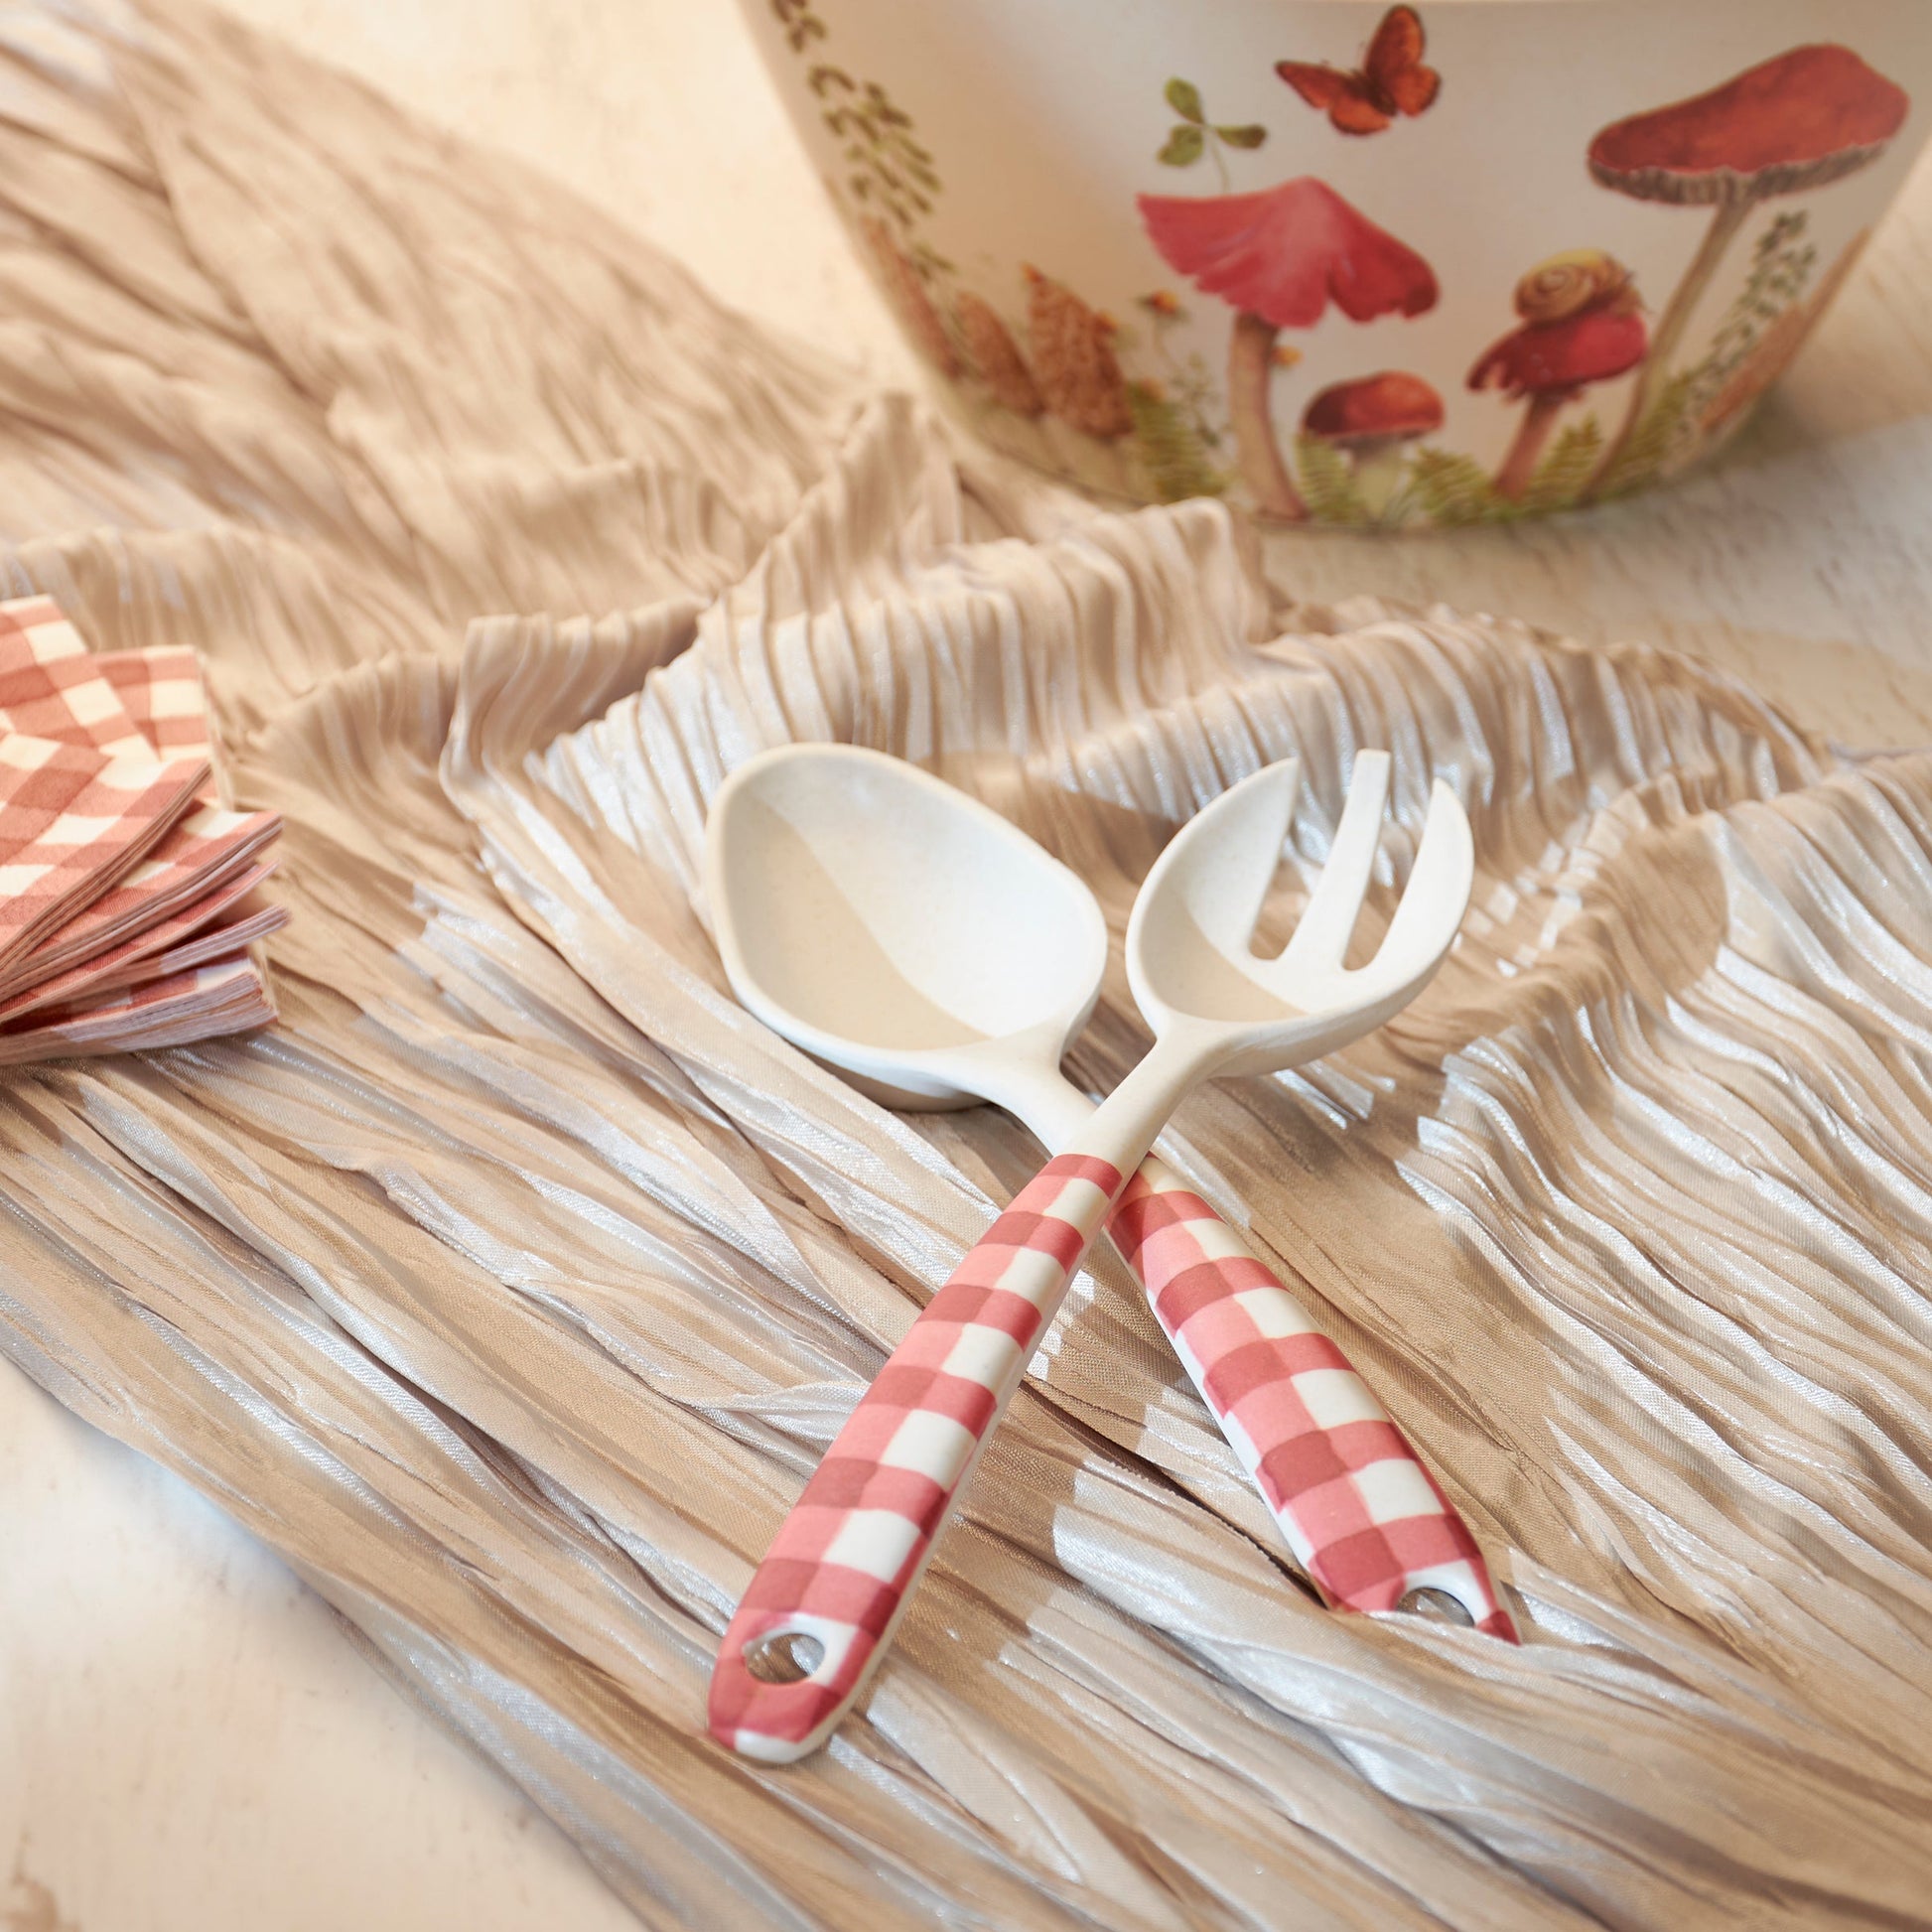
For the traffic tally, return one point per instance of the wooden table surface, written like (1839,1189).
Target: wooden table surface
(188,1741)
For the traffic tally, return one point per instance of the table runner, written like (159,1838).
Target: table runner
(511,1285)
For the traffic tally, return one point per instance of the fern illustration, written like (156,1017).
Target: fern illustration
(802,26)
(1563,474)
(1172,445)
(1667,432)
(1782,265)
(1455,490)
(1328,484)
(888,172)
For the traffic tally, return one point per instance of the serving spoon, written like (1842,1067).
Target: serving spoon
(903,933)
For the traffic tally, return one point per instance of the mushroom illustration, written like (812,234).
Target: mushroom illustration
(1279,258)
(1807,119)
(1371,419)
(1581,323)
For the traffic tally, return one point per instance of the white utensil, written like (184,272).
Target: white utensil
(906,934)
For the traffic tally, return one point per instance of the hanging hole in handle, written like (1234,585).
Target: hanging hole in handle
(1436,1606)
(783,1656)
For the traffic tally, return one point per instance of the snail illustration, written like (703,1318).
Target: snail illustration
(1579,279)
(1583,323)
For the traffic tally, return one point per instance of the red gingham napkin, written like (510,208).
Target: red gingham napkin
(152,697)
(68,702)
(225,997)
(206,848)
(218,943)
(161,691)
(139,937)
(156,948)
(36,623)
(71,823)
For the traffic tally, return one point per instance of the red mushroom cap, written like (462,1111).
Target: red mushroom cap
(1546,356)
(1286,254)
(1374,407)
(1799,121)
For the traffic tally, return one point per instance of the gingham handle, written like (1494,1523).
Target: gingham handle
(1364,1518)
(846,1561)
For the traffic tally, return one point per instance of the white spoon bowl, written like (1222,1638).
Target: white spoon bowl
(897,930)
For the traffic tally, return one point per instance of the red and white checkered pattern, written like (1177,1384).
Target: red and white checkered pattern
(52,686)
(203,949)
(138,940)
(1365,1517)
(225,997)
(205,849)
(844,1562)
(161,690)
(65,700)
(206,927)
(37,624)
(72,821)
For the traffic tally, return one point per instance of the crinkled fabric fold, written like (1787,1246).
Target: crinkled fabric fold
(511,1287)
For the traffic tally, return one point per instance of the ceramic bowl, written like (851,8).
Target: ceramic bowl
(1347,263)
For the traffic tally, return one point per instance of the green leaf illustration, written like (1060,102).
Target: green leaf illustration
(1664,436)
(1328,484)
(1184,98)
(1250,136)
(1564,475)
(1176,458)
(1183,147)
(1783,263)
(891,179)
(1455,489)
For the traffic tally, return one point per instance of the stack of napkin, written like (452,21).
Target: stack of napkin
(128,896)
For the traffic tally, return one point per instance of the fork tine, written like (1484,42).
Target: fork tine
(1245,828)
(1327,925)
(1437,895)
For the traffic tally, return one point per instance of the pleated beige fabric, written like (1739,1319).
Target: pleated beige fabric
(511,1285)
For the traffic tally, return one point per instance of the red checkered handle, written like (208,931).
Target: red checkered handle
(838,1576)
(1365,1519)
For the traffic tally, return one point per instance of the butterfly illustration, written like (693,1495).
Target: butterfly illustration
(1391,80)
